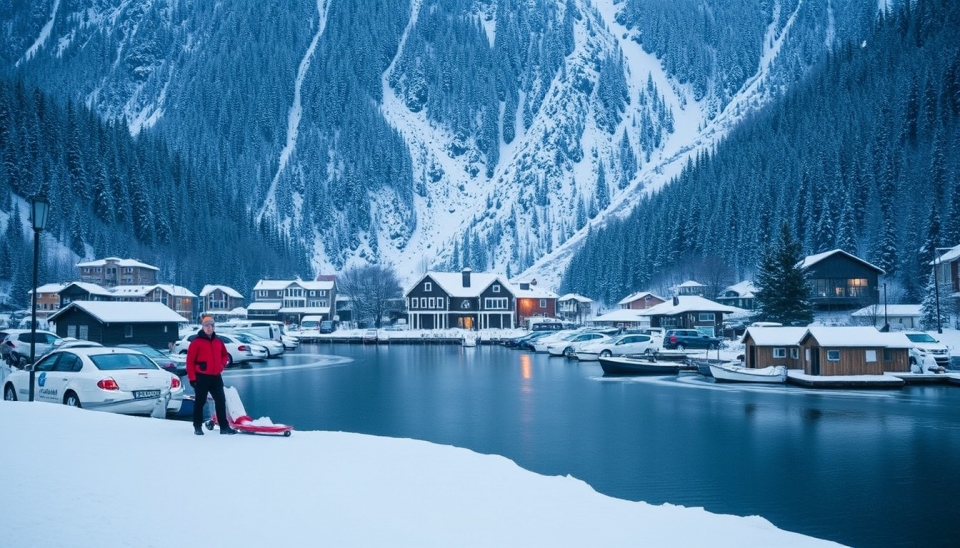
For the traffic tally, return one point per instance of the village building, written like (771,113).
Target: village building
(766,346)
(533,301)
(853,350)
(175,297)
(220,301)
(290,300)
(574,308)
(741,295)
(899,317)
(466,299)
(111,323)
(640,300)
(113,271)
(841,281)
(689,312)
(690,288)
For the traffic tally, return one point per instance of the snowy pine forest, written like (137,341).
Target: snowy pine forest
(600,146)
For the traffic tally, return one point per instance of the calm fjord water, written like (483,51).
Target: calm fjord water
(864,468)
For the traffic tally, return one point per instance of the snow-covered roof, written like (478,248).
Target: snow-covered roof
(452,283)
(637,296)
(143,290)
(208,289)
(620,315)
(531,292)
(48,288)
(687,303)
(898,310)
(775,336)
(305,310)
(266,305)
(852,336)
(691,283)
(276,285)
(123,312)
(952,255)
(575,297)
(811,260)
(119,262)
(90,288)
(744,289)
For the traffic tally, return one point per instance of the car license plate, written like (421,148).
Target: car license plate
(141,394)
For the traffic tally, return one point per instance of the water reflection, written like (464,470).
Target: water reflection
(824,463)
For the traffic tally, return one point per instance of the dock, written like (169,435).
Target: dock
(799,378)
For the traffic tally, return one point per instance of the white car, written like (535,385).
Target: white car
(118,380)
(274,349)
(925,344)
(540,345)
(290,342)
(571,346)
(239,352)
(623,345)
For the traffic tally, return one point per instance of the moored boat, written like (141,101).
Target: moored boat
(637,366)
(732,372)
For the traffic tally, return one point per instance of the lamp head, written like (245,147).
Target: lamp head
(39,207)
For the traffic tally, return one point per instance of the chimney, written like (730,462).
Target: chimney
(466,277)
(524,286)
(676,301)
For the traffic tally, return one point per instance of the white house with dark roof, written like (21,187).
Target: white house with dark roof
(290,300)
(466,299)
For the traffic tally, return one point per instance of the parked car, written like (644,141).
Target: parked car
(239,352)
(290,342)
(15,345)
(925,344)
(624,345)
(369,336)
(274,348)
(681,339)
(569,348)
(541,345)
(529,342)
(327,326)
(170,363)
(118,380)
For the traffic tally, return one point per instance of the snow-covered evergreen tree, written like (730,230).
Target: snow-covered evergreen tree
(783,294)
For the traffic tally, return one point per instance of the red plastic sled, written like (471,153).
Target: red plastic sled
(241,422)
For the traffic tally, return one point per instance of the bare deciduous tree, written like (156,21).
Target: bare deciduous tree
(370,288)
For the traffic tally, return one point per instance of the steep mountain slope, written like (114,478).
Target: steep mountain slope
(432,133)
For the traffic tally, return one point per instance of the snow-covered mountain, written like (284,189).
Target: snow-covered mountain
(430,133)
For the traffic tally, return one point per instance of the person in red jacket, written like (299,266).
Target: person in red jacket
(206,359)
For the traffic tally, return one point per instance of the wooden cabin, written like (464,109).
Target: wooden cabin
(860,350)
(766,346)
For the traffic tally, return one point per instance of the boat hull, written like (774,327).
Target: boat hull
(768,375)
(634,366)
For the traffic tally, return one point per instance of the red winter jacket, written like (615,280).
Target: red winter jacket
(207,355)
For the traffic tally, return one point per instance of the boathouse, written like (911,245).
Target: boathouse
(766,346)
(858,350)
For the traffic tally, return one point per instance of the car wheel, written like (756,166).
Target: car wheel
(681,347)
(606,354)
(71,399)
(229,360)
(9,394)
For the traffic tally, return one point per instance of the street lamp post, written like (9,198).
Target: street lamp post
(39,207)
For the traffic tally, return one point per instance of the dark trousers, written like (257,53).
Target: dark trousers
(213,385)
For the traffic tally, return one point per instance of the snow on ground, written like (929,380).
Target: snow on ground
(85,478)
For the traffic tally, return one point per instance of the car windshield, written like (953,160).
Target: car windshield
(115,362)
(920,338)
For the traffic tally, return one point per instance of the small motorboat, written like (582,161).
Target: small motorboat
(625,365)
(734,372)
(469,340)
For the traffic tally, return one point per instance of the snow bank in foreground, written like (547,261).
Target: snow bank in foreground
(82,478)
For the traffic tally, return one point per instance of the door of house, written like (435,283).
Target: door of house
(752,358)
(815,361)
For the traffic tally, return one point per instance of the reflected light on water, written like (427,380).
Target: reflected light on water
(526,366)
